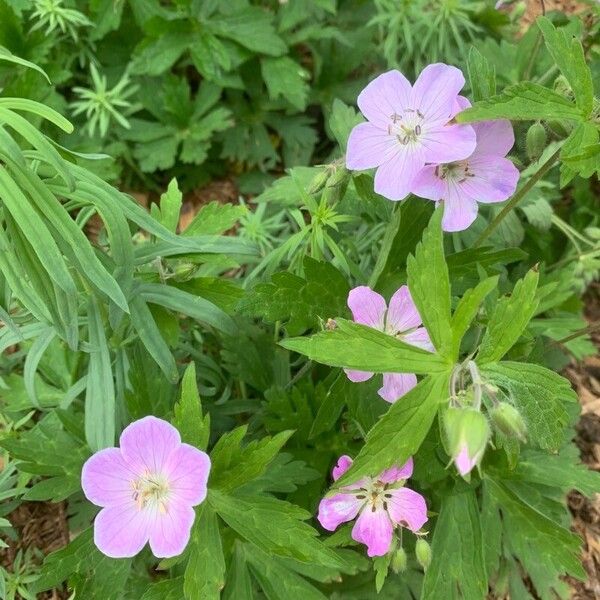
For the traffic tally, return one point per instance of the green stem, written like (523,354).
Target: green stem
(521,193)
(583,331)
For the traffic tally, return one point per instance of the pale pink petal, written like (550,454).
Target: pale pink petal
(106,478)
(402,313)
(427,184)
(494,138)
(407,508)
(395,385)
(170,531)
(343,464)
(420,338)
(447,143)
(460,210)
(436,90)
(337,510)
(122,531)
(385,96)
(464,463)
(187,470)
(369,147)
(358,376)
(375,530)
(394,178)
(461,103)
(148,442)
(494,179)
(397,473)
(368,307)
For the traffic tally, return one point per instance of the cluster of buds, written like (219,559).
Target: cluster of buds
(399,561)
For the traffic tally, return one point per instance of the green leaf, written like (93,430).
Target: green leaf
(509,320)
(167,589)
(363,348)
(34,355)
(580,154)
(429,284)
(540,395)
(192,425)
(400,431)
(286,78)
(215,218)
(525,102)
(331,407)
(482,75)
(342,120)
(170,206)
(457,570)
(239,584)
(8,56)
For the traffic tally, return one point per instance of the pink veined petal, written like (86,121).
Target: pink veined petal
(147,443)
(358,376)
(170,531)
(407,508)
(106,478)
(369,146)
(395,385)
(464,463)
(343,464)
(337,510)
(375,530)
(427,184)
(436,90)
(387,94)
(122,531)
(447,143)
(397,473)
(394,178)
(402,313)
(420,338)
(494,138)
(460,210)
(461,103)
(187,470)
(368,307)
(495,179)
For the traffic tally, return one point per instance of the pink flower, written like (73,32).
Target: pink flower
(147,489)
(485,176)
(408,128)
(400,320)
(465,462)
(381,503)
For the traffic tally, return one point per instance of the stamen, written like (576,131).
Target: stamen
(418,130)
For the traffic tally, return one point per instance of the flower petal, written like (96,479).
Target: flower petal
(369,147)
(436,90)
(343,464)
(402,313)
(375,530)
(122,531)
(495,179)
(106,478)
(368,307)
(170,531)
(187,470)
(397,473)
(494,138)
(448,143)
(358,376)
(461,103)
(147,443)
(420,338)
(407,508)
(465,463)
(337,510)
(387,94)
(395,385)
(460,210)
(427,184)
(394,178)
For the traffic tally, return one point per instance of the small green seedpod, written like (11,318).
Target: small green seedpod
(423,553)
(535,141)
(399,561)
(507,419)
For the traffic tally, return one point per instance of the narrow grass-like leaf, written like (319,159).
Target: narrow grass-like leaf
(34,355)
(39,109)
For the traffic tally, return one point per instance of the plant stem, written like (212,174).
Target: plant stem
(521,193)
(583,331)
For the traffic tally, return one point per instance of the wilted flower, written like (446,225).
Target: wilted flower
(381,503)
(147,489)
(401,320)
(408,127)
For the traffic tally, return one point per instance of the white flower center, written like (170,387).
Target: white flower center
(375,495)
(407,126)
(457,172)
(151,490)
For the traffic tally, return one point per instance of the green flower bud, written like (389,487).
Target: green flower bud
(468,433)
(508,420)
(423,553)
(535,141)
(399,561)
(319,180)
(338,176)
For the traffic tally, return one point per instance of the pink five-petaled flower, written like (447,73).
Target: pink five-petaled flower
(486,176)
(381,503)
(408,127)
(400,320)
(147,489)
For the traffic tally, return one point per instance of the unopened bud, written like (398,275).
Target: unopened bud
(399,561)
(338,176)
(423,553)
(509,421)
(535,141)
(319,180)
(468,433)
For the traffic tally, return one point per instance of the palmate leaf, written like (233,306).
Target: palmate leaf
(284,77)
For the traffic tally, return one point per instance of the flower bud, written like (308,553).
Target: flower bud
(423,553)
(535,141)
(468,433)
(508,420)
(338,176)
(399,561)
(319,180)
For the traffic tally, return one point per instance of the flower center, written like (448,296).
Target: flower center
(406,126)
(151,490)
(375,495)
(455,172)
